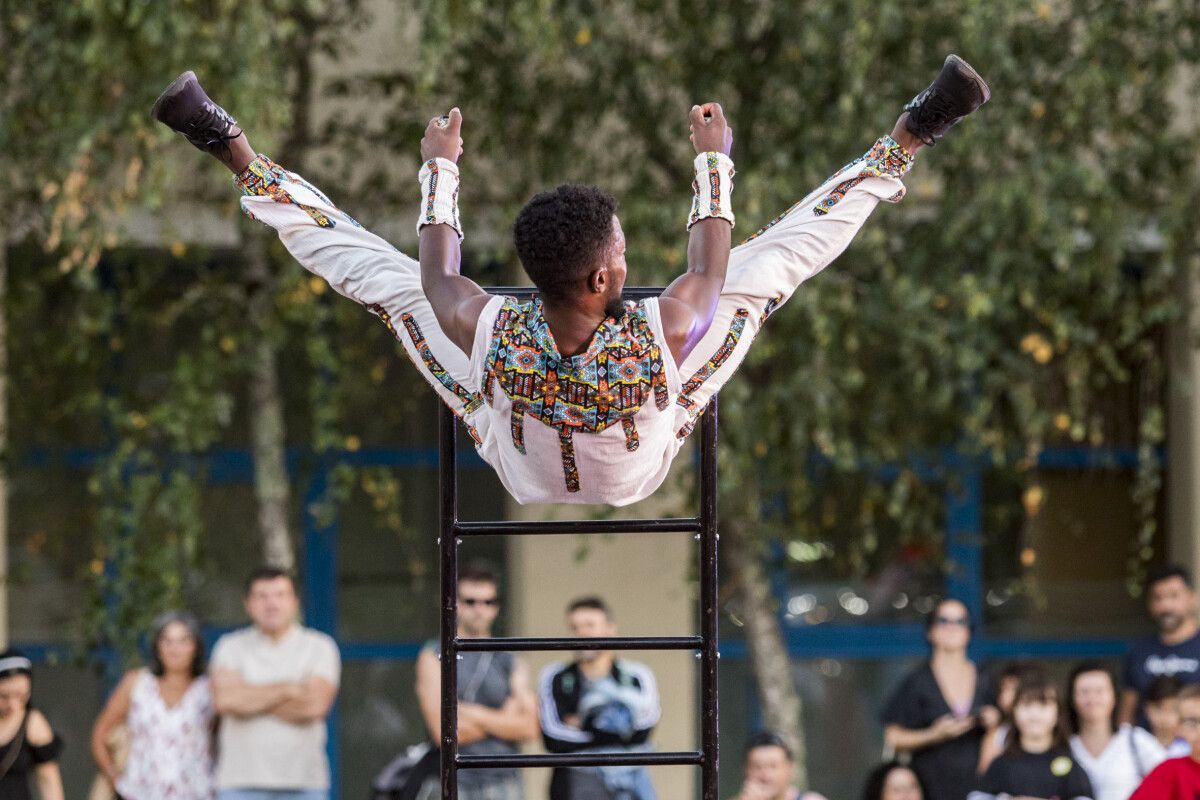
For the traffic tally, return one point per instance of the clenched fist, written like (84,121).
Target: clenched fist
(443,137)
(710,132)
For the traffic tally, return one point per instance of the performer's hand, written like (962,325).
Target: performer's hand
(710,132)
(442,137)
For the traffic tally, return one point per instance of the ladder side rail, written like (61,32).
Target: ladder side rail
(448,558)
(709,619)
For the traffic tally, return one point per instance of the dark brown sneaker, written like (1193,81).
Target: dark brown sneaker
(185,108)
(957,91)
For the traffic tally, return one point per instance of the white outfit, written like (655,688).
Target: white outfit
(1129,757)
(264,751)
(602,426)
(170,748)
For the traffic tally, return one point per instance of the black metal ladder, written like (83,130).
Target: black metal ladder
(452,532)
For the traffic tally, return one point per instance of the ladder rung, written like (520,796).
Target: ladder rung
(513,644)
(629,292)
(569,526)
(686,757)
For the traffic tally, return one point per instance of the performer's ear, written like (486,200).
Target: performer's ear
(598,280)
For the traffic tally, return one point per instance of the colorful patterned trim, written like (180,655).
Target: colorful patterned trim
(469,400)
(264,178)
(714,184)
(570,469)
(769,309)
(886,158)
(770,224)
(439,195)
(608,384)
(715,362)
(714,177)
(431,193)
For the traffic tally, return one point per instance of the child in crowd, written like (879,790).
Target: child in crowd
(1037,761)
(1162,712)
(1178,778)
(998,727)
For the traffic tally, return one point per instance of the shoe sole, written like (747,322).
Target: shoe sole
(170,92)
(969,71)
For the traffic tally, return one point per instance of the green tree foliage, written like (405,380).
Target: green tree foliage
(1015,300)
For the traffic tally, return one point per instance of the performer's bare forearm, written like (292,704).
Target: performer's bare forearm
(445,287)
(700,287)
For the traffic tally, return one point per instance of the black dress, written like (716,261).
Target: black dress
(947,769)
(14,785)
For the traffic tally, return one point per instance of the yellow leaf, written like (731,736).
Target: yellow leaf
(1032,499)
(227,344)
(1031,341)
(178,249)
(317,286)
(353,443)
(583,36)
(1062,421)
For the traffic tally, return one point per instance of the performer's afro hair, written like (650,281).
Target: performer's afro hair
(562,235)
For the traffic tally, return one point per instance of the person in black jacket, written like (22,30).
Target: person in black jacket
(597,703)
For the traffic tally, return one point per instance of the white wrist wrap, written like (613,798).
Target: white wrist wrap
(713,188)
(439,195)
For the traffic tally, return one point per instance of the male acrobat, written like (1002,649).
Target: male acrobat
(575,396)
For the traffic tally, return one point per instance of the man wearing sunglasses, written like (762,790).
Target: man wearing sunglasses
(496,706)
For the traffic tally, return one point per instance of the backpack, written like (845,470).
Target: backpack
(402,778)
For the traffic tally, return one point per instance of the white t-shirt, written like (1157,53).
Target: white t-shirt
(1128,758)
(264,751)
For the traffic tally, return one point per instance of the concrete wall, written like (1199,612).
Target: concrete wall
(646,579)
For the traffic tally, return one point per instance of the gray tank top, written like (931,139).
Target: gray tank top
(486,679)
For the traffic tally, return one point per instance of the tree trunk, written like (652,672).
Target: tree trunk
(272,489)
(4,584)
(778,697)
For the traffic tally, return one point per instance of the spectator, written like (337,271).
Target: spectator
(941,710)
(1115,757)
(496,707)
(1178,778)
(770,771)
(273,685)
(1037,761)
(893,781)
(999,725)
(1173,651)
(168,710)
(598,703)
(30,744)
(1161,706)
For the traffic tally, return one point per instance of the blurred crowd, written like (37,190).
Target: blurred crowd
(249,723)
